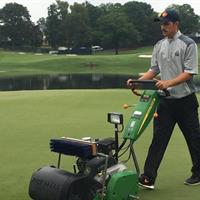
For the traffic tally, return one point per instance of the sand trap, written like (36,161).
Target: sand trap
(38,54)
(71,54)
(145,56)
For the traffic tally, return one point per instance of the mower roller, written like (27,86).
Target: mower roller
(98,174)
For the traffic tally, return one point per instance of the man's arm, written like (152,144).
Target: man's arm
(164,84)
(148,75)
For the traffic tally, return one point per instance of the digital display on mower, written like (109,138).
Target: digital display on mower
(137,114)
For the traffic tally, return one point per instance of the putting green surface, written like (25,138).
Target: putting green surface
(30,118)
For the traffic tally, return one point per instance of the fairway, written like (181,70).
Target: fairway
(30,118)
(128,62)
(15,64)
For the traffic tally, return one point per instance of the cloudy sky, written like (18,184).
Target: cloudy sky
(38,8)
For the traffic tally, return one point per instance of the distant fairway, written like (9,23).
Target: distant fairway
(17,64)
(127,62)
(30,118)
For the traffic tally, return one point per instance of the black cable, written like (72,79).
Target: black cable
(121,128)
(126,149)
(122,144)
(129,156)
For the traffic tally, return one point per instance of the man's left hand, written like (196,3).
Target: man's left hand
(160,84)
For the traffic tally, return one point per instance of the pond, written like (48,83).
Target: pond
(66,81)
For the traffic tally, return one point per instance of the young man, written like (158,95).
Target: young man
(175,58)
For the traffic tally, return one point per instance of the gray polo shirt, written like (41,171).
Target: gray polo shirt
(173,56)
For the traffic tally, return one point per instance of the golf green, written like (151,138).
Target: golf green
(29,119)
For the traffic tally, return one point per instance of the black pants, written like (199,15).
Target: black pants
(184,112)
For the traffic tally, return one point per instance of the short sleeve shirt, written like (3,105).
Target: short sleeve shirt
(171,57)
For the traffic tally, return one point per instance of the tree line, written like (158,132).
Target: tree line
(112,26)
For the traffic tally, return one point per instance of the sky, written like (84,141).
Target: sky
(38,8)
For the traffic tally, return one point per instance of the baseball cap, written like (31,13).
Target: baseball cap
(169,15)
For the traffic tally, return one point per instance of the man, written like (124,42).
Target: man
(176,59)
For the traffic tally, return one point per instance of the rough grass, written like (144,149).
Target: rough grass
(30,118)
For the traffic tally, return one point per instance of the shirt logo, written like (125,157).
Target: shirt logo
(177,53)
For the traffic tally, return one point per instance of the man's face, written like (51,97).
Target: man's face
(169,29)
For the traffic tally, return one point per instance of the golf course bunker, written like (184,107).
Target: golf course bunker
(145,56)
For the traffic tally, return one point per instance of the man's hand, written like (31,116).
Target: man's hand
(162,85)
(129,83)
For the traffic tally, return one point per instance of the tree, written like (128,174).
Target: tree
(94,13)
(79,31)
(141,15)
(189,21)
(56,23)
(117,31)
(41,23)
(36,38)
(16,25)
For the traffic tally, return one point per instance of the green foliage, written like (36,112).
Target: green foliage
(189,21)
(17,27)
(115,30)
(78,28)
(142,15)
(110,25)
(115,25)
(56,24)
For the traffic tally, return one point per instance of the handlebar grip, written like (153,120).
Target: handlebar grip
(166,92)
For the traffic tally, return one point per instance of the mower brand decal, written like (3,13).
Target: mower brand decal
(147,114)
(137,114)
(132,124)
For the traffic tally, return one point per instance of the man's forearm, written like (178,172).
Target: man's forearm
(148,75)
(180,79)
(164,84)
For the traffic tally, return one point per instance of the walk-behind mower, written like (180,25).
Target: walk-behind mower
(98,173)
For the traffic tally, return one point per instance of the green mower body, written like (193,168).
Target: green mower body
(121,186)
(142,114)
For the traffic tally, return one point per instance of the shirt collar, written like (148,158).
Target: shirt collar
(177,35)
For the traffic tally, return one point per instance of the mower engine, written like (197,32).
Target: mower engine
(94,168)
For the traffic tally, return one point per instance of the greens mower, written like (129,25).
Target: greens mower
(98,174)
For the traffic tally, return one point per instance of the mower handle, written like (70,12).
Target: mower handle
(146,85)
